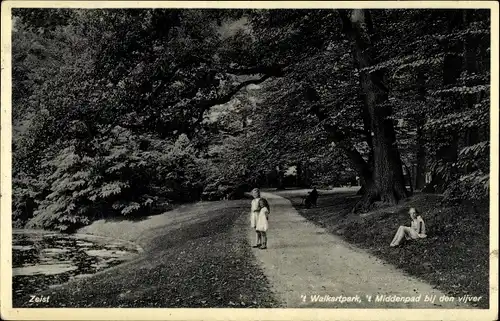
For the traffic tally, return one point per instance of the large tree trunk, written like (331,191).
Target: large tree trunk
(368,138)
(388,172)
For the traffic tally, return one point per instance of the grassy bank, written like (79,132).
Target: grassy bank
(195,262)
(145,229)
(454,257)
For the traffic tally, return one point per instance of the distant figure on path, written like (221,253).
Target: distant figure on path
(415,231)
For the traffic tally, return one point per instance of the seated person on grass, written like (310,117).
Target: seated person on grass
(415,231)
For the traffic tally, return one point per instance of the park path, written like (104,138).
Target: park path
(303,259)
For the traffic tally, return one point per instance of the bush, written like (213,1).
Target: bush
(125,174)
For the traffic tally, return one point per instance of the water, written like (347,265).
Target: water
(42,260)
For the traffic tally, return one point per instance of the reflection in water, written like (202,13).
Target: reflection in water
(45,260)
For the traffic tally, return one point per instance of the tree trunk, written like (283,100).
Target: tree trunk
(371,192)
(388,172)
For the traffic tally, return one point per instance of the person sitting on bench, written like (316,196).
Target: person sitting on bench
(312,198)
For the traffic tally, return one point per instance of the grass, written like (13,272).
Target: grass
(148,228)
(199,263)
(454,257)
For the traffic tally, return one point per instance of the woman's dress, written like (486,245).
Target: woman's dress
(417,229)
(262,223)
(254,212)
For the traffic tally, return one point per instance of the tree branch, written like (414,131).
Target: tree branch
(338,136)
(206,105)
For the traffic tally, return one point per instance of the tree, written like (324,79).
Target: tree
(389,182)
(334,93)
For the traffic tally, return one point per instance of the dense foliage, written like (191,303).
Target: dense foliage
(122,112)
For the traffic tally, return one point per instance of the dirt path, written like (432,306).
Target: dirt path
(303,261)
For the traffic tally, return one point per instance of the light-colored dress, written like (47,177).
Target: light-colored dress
(417,229)
(254,212)
(262,223)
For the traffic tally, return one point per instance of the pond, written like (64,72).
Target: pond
(42,260)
